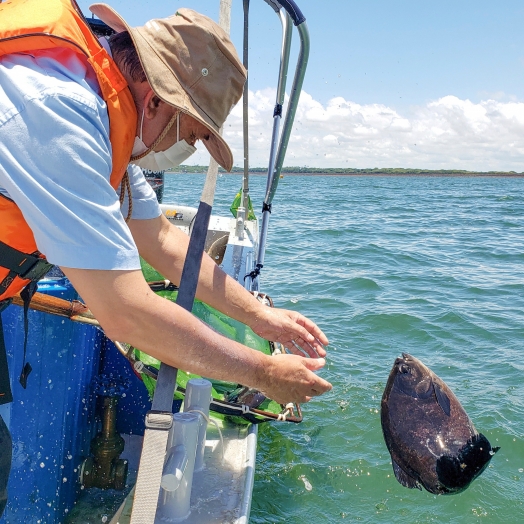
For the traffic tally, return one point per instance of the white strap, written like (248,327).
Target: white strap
(155,438)
(154,447)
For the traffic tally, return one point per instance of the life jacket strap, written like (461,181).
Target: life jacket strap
(5,386)
(27,294)
(28,267)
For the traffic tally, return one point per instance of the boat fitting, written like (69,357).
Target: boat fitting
(104,469)
(197,400)
(174,502)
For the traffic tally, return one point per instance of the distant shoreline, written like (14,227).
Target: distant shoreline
(368,173)
(389,172)
(436,175)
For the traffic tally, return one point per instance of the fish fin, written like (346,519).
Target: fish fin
(442,399)
(457,472)
(405,478)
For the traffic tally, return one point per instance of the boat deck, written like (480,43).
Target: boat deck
(221,491)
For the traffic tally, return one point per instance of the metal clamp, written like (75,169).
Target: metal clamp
(162,420)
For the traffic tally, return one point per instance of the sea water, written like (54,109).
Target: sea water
(433,266)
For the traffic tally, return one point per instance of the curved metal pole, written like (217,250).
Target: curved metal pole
(287,33)
(251,281)
(274,173)
(224,21)
(292,109)
(245,184)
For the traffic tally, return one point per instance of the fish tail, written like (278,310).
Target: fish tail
(457,472)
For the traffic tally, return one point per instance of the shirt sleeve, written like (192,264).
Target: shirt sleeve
(55,163)
(144,201)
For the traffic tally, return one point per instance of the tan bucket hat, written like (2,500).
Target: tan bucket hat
(191,64)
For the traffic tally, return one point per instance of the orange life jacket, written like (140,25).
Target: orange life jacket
(31,25)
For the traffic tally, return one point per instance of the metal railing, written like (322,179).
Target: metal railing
(288,12)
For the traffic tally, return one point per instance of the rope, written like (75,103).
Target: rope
(126,186)
(246,410)
(208,420)
(159,139)
(282,416)
(255,273)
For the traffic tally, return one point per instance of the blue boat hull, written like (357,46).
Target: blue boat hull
(52,421)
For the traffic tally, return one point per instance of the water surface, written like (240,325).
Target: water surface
(429,266)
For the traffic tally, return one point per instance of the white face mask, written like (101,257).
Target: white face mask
(160,161)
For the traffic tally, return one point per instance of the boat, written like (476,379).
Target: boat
(78,428)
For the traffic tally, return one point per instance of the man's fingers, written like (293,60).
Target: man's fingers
(307,343)
(313,330)
(314,364)
(294,379)
(314,349)
(321,385)
(301,348)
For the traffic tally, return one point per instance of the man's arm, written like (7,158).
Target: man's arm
(164,246)
(130,312)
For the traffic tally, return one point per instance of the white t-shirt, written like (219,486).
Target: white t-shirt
(55,162)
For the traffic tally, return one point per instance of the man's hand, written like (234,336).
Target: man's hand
(164,246)
(290,378)
(294,331)
(130,312)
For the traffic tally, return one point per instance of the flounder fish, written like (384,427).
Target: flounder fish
(432,442)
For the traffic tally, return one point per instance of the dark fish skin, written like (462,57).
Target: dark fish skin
(432,442)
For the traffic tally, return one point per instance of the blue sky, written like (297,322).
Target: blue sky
(389,83)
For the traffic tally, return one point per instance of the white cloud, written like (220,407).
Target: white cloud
(448,133)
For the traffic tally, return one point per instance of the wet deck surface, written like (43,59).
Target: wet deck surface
(218,490)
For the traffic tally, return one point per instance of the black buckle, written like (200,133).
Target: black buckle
(37,270)
(24,265)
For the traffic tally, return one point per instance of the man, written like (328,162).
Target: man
(73,113)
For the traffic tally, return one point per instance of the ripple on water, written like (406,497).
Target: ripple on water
(431,266)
